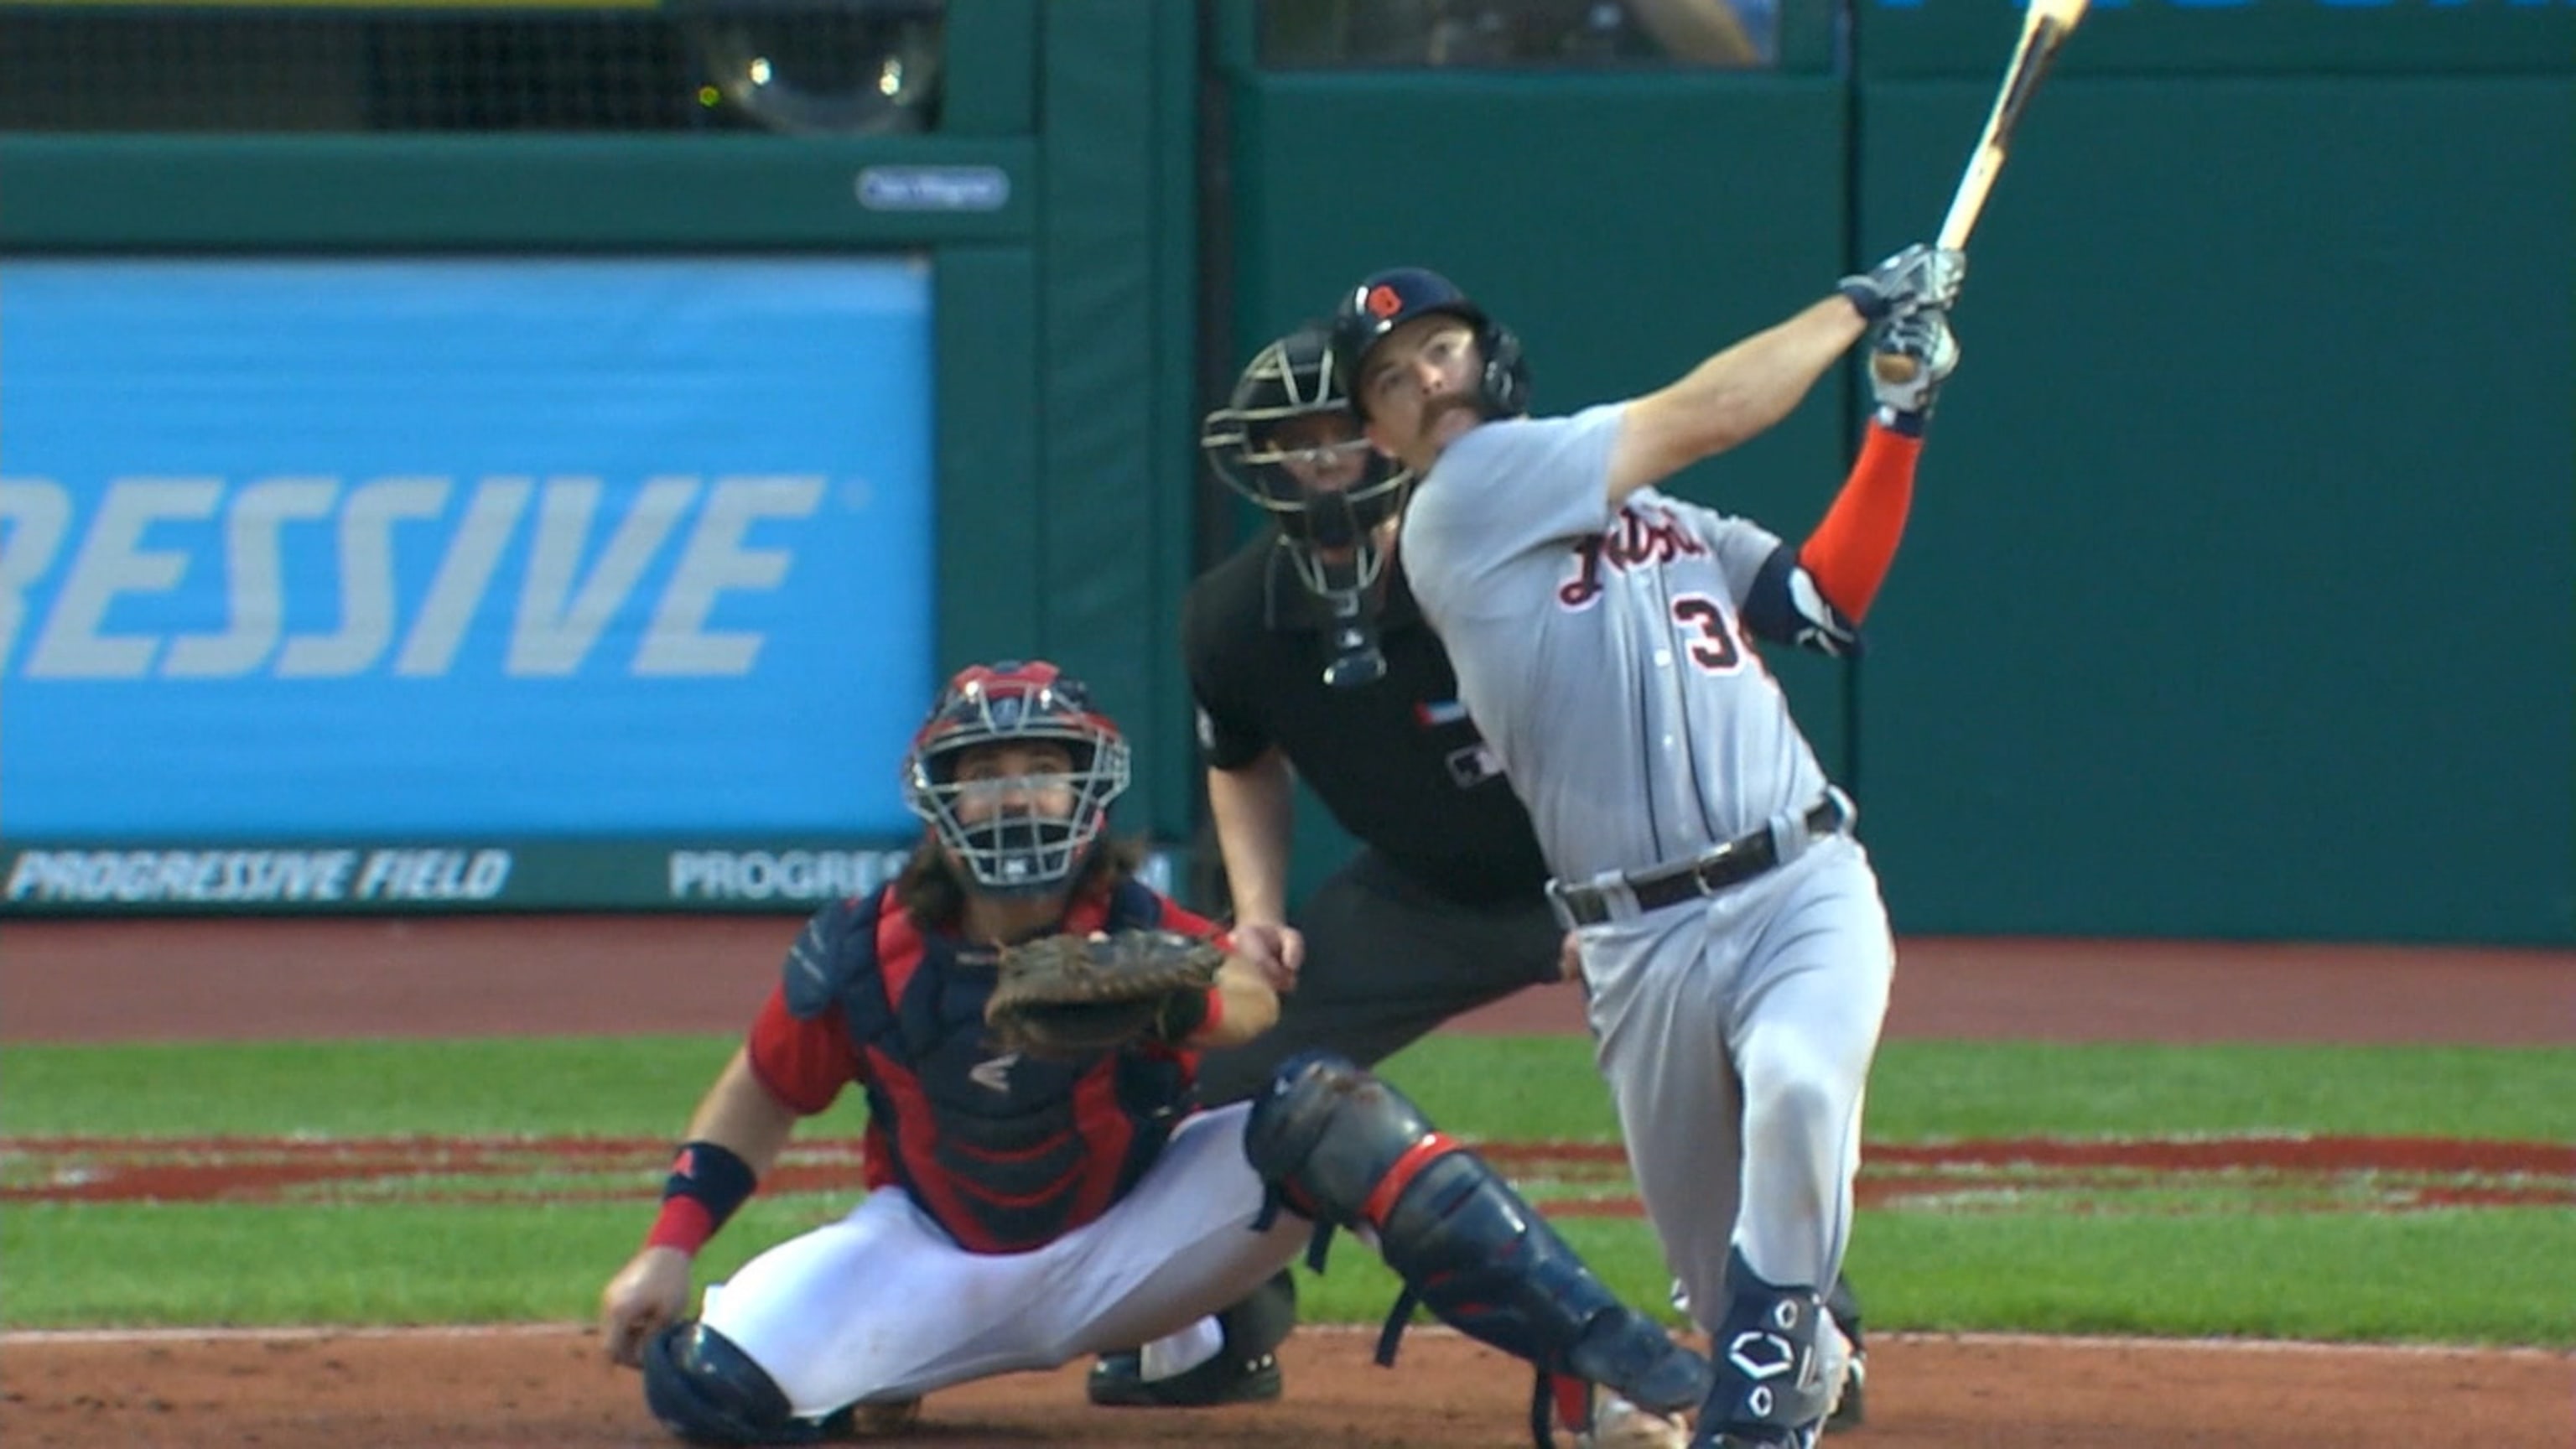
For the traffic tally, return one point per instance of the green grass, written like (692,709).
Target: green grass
(606,1086)
(2505,1277)
(138,1264)
(2191,1267)
(1507,1087)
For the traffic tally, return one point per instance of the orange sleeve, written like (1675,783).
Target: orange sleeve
(1849,553)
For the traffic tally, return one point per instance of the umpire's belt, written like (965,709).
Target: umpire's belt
(1732,864)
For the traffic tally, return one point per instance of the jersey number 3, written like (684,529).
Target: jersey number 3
(1710,644)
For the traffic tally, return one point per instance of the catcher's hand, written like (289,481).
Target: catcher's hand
(1070,996)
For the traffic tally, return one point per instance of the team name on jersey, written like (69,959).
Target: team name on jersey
(1640,536)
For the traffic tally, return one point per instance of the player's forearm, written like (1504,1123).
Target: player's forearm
(735,1137)
(1731,398)
(1743,391)
(743,1116)
(1849,553)
(1254,810)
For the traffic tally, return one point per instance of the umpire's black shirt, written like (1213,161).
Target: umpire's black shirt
(1397,761)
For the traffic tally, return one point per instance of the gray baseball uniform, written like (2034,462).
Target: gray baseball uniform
(1605,657)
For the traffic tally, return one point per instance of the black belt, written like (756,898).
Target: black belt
(1732,864)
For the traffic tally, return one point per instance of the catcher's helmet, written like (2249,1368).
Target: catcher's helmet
(1016,848)
(1389,299)
(1288,441)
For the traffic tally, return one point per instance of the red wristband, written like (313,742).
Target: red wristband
(684,1224)
(708,1182)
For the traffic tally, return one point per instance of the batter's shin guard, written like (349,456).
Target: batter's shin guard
(1350,1151)
(708,1391)
(1770,1387)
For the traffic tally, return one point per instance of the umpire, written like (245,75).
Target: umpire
(1309,660)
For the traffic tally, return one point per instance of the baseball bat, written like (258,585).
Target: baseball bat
(2044,28)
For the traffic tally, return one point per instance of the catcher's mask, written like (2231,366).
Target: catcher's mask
(1016,848)
(1387,300)
(1288,441)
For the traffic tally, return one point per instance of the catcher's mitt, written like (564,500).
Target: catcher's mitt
(1076,996)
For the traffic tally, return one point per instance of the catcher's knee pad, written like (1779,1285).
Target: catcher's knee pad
(708,1391)
(1770,1383)
(1351,1151)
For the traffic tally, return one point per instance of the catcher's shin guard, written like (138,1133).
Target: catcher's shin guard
(708,1391)
(1348,1150)
(1770,1387)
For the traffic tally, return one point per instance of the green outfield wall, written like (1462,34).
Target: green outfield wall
(2240,596)
(2269,401)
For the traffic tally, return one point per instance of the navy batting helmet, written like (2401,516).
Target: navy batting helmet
(1389,299)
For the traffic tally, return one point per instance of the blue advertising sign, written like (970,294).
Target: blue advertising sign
(556,548)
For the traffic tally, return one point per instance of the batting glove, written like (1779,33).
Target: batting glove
(1916,278)
(1924,339)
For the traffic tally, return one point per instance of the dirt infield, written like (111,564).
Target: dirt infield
(467,976)
(549,1387)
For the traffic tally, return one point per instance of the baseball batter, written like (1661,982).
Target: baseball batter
(1732,936)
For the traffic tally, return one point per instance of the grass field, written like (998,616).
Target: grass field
(2206,1259)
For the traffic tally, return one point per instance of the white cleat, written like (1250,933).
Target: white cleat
(1622,1425)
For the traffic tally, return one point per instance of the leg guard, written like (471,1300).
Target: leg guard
(707,1391)
(1350,1151)
(1255,1327)
(1770,1387)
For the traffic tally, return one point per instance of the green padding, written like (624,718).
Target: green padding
(446,877)
(625,193)
(989,82)
(1107,579)
(985,307)
(2236,599)
(2214,37)
(1625,227)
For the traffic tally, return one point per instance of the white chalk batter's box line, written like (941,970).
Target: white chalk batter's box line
(37,1337)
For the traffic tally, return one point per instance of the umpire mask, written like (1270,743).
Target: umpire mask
(1289,442)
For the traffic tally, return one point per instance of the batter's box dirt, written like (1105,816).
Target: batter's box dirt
(550,1389)
(2233,1174)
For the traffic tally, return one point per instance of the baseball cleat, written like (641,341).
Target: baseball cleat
(1118,1382)
(1846,1368)
(1622,1425)
(1848,1411)
(870,1421)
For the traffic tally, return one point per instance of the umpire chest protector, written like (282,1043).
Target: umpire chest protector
(1398,762)
(1005,1152)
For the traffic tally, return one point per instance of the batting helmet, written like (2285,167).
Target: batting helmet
(1015,847)
(1288,441)
(1387,300)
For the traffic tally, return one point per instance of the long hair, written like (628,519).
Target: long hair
(932,892)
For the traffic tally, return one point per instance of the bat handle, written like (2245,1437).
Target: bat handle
(1893,367)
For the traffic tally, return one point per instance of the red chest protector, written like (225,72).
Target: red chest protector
(1005,1152)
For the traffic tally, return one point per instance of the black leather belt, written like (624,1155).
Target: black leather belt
(1732,864)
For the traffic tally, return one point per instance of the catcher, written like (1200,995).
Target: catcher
(1025,1018)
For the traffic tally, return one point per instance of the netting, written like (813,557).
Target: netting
(852,66)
